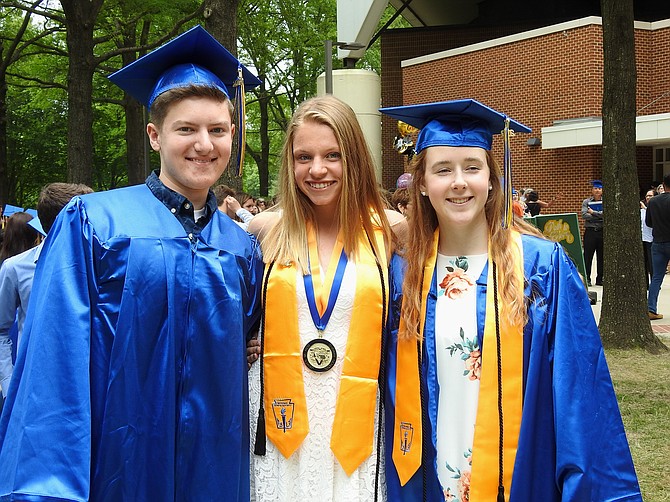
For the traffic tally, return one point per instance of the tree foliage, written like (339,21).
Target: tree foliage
(20,40)
(283,41)
(66,121)
(72,46)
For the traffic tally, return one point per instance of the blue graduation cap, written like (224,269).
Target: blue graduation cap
(32,212)
(596,183)
(463,122)
(193,58)
(37,225)
(10,210)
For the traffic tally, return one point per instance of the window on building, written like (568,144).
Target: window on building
(661,162)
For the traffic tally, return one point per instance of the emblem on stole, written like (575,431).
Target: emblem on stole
(282,409)
(406,436)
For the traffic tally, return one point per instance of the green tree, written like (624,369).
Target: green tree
(18,39)
(36,139)
(93,37)
(623,322)
(283,40)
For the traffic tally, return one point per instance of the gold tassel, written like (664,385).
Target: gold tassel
(240,109)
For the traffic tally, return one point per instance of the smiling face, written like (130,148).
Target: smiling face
(317,165)
(457,181)
(194,142)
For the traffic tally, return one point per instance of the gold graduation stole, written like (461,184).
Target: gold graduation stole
(284,391)
(485,466)
(408,427)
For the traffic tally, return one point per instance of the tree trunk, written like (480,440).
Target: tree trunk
(264,161)
(137,154)
(623,321)
(80,20)
(221,23)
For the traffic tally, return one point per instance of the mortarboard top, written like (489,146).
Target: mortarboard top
(596,183)
(10,210)
(463,122)
(37,225)
(32,212)
(194,57)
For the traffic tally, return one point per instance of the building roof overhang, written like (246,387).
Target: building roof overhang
(649,130)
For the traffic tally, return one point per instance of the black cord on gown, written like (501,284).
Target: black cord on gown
(381,382)
(501,486)
(260,443)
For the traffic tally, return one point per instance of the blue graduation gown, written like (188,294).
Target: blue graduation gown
(131,381)
(572,444)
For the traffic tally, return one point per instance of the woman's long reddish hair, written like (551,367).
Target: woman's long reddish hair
(422,224)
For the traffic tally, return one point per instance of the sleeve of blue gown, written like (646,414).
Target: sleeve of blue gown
(593,461)
(45,431)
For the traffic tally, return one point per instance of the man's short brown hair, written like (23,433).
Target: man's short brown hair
(55,197)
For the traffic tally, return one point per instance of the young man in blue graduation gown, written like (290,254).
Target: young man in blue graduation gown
(131,380)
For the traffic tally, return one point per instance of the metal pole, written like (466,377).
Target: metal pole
(328,44)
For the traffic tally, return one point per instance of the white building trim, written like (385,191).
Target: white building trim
(649,130)
(526,35)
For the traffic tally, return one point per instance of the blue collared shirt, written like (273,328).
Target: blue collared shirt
(181,207)
(16,282)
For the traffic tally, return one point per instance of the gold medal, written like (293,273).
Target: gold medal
(319,355)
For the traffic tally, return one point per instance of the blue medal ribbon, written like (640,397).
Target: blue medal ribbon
(321,321)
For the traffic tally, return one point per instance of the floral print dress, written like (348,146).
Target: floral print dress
(458,370)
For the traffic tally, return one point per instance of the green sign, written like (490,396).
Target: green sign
(563,228)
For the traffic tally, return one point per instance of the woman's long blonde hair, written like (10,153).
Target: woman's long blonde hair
(360,209)
(422,224)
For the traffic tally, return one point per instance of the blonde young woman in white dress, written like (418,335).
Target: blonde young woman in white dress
(327,251)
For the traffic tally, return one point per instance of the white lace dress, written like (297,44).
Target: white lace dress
(458,370)
(313,473)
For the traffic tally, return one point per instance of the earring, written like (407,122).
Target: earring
(490,187)
(423,193)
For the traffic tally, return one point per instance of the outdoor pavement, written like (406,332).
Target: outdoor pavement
(661,327)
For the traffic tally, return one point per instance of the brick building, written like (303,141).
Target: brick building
(547,77)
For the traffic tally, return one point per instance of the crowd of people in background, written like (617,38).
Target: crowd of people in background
(240,206)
